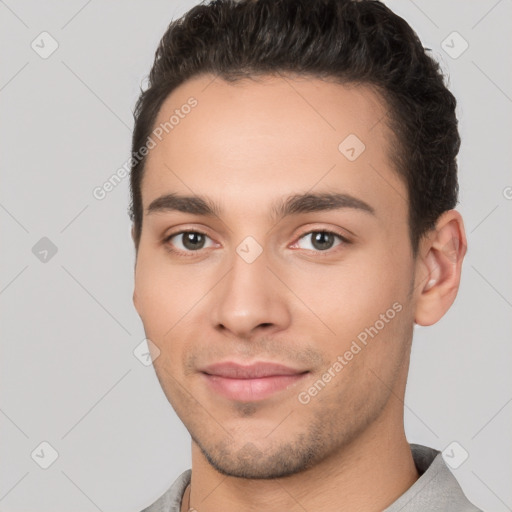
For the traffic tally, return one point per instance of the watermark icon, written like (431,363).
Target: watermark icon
(44,45)
(351,147)
(249,249)
(44,455)
(341,361)
(146,352)
(454,45)
(101,191)
(507,192)
(44,250)
(455,455)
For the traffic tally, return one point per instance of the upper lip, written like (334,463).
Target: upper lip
(255,370)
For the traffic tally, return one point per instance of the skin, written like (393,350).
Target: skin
(244,146)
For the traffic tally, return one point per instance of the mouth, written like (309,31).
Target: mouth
(250,383)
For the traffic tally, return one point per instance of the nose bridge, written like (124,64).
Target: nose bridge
(249,294)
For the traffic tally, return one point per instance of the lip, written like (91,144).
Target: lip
(258,369)
(252,382)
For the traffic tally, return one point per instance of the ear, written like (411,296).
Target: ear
(438,268)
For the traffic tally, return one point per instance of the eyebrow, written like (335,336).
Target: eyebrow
(292,205)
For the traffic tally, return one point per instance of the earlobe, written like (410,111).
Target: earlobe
(439,268)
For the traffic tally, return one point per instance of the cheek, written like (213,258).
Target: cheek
(350,297)
(169,295)
(161,294)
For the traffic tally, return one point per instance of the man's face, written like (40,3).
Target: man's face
(254,286)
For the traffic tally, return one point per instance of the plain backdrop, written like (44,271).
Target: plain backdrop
(69,377)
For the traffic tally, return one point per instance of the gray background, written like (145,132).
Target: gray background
(68,373)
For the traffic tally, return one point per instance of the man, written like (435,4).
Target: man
(293,185)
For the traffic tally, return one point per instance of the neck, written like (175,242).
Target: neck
(368,474)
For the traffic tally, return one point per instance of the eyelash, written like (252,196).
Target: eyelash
(168,246)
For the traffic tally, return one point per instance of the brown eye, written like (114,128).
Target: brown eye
(188,241)
(193,241)
(321,241)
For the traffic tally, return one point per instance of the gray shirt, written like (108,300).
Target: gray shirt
(436,490)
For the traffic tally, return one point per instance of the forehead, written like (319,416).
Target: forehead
(275,134)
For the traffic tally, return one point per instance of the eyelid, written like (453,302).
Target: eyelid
(183,231)
(320,227)
(178,230)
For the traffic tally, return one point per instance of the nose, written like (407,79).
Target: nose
(250,298)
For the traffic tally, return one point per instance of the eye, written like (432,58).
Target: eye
(188,241)
(321,240)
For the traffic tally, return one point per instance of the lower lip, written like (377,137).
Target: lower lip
(249,390)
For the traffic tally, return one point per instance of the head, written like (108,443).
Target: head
(309,149)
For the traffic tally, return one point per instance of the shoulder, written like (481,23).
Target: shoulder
(436,489)
(170,501)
